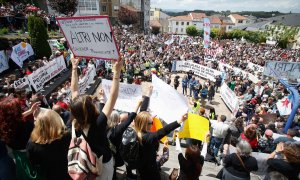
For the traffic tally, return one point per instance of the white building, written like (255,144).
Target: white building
(88,8)
(179,24)
(238,20)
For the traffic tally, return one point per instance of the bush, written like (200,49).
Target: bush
(38,37)
(192,31)
(4,31)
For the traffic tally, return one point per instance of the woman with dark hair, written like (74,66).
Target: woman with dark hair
(287,161)
(88,120)
(211,93)
(212,113)
(191,164)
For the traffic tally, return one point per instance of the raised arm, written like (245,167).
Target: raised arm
(114,91)
(74,78)
(146,100)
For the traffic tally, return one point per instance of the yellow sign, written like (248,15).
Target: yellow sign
(195,127)
(156,126)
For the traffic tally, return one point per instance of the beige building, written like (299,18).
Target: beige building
(238,20)
(110,8)
(159,19)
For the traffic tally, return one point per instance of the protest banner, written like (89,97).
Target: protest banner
(129,95)
(21,52)
(87,79)
(229,98)
(167,103)
(22,82)
(53,44)
(90,36)
(3,62)
(237,71)
(283,69)
(199,70)
(206,28)
(195,127)
(44,74)
(255,67)
(157,125)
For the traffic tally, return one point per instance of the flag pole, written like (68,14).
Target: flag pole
(295,96)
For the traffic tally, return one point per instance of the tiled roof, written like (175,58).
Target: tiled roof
(214,20)
(181,18)
(130,8)
(238,17)
(197,15)
(155,23)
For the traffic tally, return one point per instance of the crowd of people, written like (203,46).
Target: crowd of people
(36,131)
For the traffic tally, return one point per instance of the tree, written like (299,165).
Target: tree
(38,37)
(128,16)
(155,30)
(67,7)
(192,30)
(201,33)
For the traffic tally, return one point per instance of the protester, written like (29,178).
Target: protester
(250,135)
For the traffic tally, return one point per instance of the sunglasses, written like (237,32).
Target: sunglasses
(150,123)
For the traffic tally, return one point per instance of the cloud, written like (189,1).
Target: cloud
(233,5)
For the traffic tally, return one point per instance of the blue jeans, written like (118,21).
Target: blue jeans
(215,145)
(191,91)
(184,90)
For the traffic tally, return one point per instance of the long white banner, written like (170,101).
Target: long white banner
(281,69)
(199,70)
(3,62)
(238,71)
(87,79)
(44,74)
(21,52)
(255,67)
(229,98)
(129,94)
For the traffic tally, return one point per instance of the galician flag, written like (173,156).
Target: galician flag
(284,106)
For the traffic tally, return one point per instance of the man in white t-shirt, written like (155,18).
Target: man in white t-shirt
(220,130)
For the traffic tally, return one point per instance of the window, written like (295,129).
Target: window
(188,23)
(240,21)
(151,13)
(182,23)
(177,23)
(195,24)
(181,29)
(176,30)
(104,8)
(229,27)
(116,8)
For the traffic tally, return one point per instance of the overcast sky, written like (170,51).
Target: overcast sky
(233,5)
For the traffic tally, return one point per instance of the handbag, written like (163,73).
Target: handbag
(174,174)
(242,163)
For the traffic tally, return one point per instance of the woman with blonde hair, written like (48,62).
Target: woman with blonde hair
(49,144)
(149,142)
(91,122)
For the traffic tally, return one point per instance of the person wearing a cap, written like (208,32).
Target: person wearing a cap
(266,143)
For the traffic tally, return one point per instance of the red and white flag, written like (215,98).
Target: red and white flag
(284,106)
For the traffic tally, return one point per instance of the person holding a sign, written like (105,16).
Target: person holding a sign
(148,169)
(86,115)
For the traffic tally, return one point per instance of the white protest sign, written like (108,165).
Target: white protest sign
(129,95)
(238,71)
(167,103)
(282,69)
(255,67)
(53,44)
(21,52)
(90,36)
(229,98)
(44,74)
(199,70)
(20,83)
(3,62)
(87,79)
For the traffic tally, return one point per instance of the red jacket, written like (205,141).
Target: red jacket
(253,142)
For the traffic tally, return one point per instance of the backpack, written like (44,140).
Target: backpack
(130,148)
(83,163)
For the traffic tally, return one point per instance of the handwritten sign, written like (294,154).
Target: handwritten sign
(21,52)
(281,69)
(87,79)
(129,94)
(90,37)
(229,98)
(20,83)
(195,127)
(166,102)
(255,67)
(3,62)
